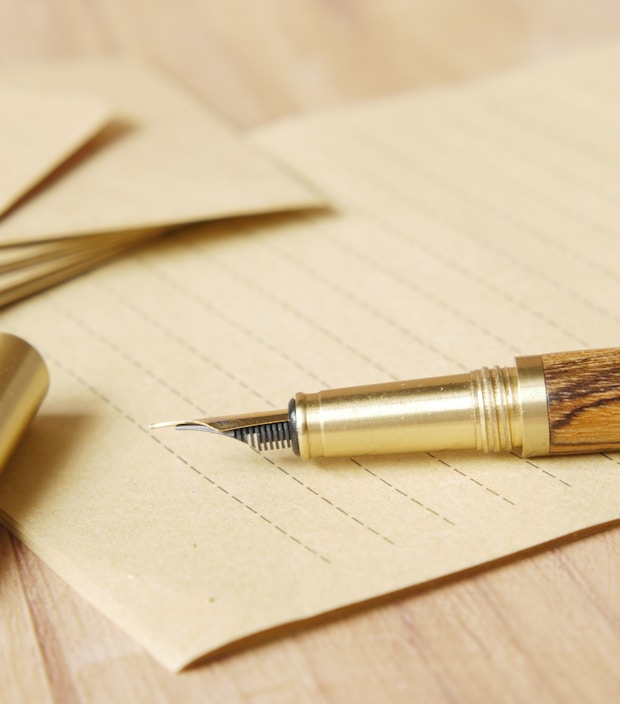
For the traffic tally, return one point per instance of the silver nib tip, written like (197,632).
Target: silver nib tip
(163,424)
(269,430)
(200,424)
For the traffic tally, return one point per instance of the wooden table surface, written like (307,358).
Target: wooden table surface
(541,628)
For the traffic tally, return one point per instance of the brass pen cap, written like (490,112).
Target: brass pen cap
(24,381)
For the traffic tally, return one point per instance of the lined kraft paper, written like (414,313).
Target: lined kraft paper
(164,160)
(37,133)
(468,226)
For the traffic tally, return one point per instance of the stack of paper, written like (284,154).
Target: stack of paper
(467,225)
(98,157)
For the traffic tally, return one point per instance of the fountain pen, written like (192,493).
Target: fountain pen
(559,403)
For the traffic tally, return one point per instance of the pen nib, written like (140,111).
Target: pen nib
(269,430)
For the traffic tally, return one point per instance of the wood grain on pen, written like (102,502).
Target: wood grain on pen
(583,389)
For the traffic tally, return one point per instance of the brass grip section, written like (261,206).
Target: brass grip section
(491,410)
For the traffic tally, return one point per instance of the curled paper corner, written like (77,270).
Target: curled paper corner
(24,380)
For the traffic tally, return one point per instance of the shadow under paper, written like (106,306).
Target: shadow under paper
(35,464)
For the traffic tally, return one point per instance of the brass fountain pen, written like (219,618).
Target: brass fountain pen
(560,403)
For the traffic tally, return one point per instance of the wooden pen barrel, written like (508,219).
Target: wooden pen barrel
(583,390)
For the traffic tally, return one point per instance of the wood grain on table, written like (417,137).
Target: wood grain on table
(538,628)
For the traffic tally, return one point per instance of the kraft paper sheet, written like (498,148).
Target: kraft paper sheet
(467,226)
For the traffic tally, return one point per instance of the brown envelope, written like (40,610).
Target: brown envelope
(38,131)
(163,161)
